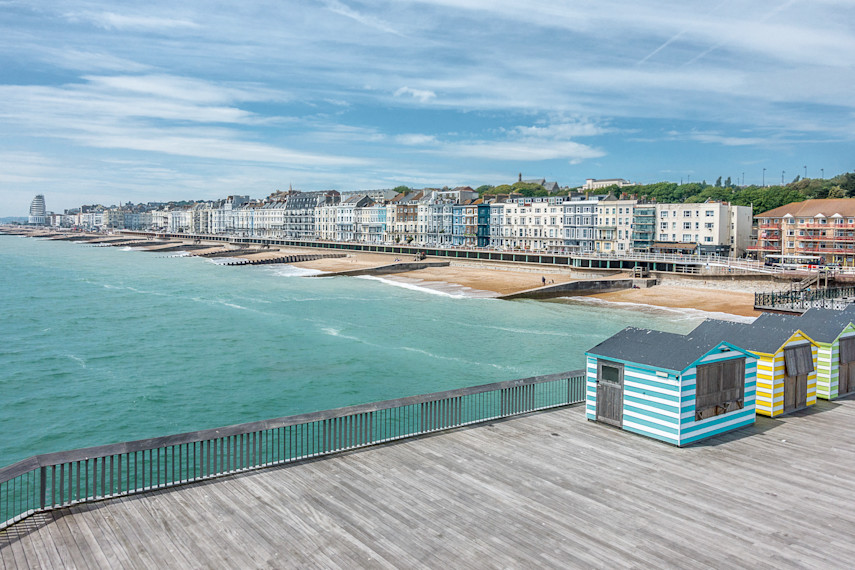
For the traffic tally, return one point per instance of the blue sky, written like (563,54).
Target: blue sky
(102,102)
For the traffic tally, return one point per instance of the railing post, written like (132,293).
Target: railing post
(43,487)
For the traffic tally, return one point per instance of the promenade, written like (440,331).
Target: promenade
(544,490)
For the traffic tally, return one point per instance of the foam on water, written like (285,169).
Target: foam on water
(421,287)
(285,270)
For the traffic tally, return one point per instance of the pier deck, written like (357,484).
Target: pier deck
(548,489)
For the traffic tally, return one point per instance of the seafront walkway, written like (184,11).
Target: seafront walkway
(547,489)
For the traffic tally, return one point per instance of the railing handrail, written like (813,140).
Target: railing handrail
(56,458)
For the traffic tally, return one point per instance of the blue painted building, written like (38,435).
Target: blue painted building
(676,388)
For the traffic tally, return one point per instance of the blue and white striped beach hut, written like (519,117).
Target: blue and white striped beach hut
(672,387)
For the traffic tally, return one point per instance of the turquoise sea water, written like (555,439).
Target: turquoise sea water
(101,344)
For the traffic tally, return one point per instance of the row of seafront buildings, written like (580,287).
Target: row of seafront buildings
(577,223)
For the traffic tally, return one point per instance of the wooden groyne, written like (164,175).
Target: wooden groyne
(400,267)
(219,252)
(175,246)
(582,287)
(283,259)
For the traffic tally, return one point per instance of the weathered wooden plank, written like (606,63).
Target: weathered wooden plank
(544,490)
(99,547)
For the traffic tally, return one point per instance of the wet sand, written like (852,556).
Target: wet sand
(718,301)
(501,279)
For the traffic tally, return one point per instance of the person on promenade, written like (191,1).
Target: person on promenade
(543,280)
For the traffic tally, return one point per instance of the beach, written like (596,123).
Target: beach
(502,279)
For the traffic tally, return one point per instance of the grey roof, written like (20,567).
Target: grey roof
(754,337)
(660,349)
(822,325)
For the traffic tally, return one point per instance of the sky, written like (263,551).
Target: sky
(108,102)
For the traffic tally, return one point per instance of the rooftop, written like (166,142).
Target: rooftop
(810,208)
(543,490)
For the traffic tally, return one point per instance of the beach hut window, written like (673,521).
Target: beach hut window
(720,388)
(799,360)
(847,350)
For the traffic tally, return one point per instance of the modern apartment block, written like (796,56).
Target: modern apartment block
(643,227)
(38,213)
(708,228)
(824,228)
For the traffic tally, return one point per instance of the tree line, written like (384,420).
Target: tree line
(762,198)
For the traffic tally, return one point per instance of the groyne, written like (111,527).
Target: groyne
(400,267)
(582,287)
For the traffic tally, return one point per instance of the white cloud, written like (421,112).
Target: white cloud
(113,21)
(525,150)
(422,95)
(415,139)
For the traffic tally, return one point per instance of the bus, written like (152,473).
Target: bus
(795,261)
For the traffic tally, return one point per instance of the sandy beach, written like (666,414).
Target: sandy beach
(500,279)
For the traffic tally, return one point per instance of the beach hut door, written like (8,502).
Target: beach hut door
(610,393)
(846,370)
(799,363)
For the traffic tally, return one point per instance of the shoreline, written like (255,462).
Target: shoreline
(485,279)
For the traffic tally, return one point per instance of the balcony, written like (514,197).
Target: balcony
(825,250)
(769,226)
(764,248)
(827,226)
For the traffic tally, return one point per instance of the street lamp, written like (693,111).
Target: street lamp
(782,177)
(764,178)
(822,171)
(805,170)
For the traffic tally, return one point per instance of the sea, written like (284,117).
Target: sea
(105,344)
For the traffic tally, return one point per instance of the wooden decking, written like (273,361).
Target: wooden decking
(548,489)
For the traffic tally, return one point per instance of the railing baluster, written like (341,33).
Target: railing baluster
(254,445)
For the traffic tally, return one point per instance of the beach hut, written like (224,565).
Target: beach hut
(675,388)
(834,334)
(786,363)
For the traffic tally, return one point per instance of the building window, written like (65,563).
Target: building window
(708,239)
(687,214)
(720,388)
(709,213)
(687,225)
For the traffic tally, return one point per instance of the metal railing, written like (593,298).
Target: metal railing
(830,298)
(60,479)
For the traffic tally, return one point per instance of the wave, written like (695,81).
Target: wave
(127,248)
(179,254)
(77,359)
(451,358)
(684,313)
(293,271)
(434,288)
